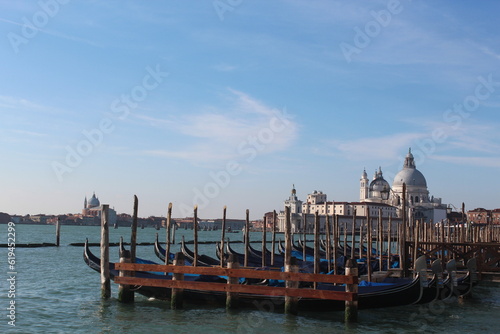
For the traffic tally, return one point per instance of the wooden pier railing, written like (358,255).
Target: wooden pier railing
(233,288)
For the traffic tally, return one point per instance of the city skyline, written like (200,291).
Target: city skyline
(232,102)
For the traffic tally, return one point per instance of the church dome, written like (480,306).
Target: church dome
(379,184)
(93,202)
(410,174)
(412,177)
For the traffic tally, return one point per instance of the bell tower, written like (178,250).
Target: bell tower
(363,186)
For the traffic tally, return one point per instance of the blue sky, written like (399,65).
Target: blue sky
(231,102)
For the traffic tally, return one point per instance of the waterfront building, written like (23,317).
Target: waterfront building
(92,211)
(376,196)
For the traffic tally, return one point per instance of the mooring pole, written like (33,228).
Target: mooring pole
(304,239)
(232,297)
(368,246)
(105,281)
(273,240)
(316,246)
(403,255)
(176,298)
(351,307)
(169,228)
(328,242)
(195,228)
(223,236)
(125,294)
(264,253)
(58,231)
(133,237)
(291,303)
(335,242)
(247,237)
(380,238)
(353,233)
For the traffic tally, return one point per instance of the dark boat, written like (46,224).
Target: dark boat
(394,292)
(151,292)
(203,260)
(433,287)
(160,251)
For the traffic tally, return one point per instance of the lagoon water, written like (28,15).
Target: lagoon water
(55,292)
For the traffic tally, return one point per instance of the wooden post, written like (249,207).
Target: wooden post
(353,233)
(288,241)
(402,254)
(264,253)
(335,242)
(369,248)
(389,241)
(351,307)
(361,237)
(316,245)
(328,242)
(173,232)
(380,238)
(345,238)
(125,294)
(133,236)
(169,228)
(291,303)
(223,236)
(232,297)
(58,231)
(176,299)
(195,231)
(273,240)
(247,237)
(304,238)
(105,281)
(416,242)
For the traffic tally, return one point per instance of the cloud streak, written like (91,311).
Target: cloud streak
(222,133)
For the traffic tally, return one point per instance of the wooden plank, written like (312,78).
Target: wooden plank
(240,288)
(247,273)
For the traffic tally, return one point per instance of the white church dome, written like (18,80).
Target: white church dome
(409,174)
(93,202)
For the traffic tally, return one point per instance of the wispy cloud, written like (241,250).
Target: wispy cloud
(223,133)
(471,161)
(223,67)
(374,148)
(25,105)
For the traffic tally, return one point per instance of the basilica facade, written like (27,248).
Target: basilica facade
(377,197)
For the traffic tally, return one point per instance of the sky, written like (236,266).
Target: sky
(232,102)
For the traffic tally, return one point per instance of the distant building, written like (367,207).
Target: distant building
(483,216)
(376,196)
(419,203)
(92,211)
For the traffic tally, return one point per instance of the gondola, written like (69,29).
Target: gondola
(160,251)
(279,259)
(151,292)
(394,292)
(433,287)
(203,260)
